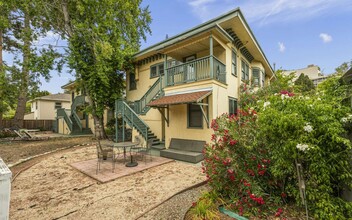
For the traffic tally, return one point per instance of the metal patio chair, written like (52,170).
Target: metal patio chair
(105,152)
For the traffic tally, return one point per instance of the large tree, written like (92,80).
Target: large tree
(102,36)
(30,61)
(304,84)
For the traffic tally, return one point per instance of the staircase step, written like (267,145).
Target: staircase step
(159,147)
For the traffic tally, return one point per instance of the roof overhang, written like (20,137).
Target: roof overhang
(178,99)
(233,19)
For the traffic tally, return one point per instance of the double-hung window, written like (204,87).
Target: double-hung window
(244,70)
(234,64)
(232,106)
(263,77)
(157,70)
(133,83)
(195,119)
(256,76)
(58,105)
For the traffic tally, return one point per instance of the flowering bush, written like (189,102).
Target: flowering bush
(252,160)
(309,131)
(237,163)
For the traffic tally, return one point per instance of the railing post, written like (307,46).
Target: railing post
(165,71)
(123,121)
(211,56)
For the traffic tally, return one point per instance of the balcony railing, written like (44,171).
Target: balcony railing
(196,70)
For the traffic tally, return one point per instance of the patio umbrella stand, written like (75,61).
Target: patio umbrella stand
(132,163)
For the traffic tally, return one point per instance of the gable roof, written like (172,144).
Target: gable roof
(62,97)
(217,23)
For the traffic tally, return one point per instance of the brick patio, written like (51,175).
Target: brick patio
(89,167)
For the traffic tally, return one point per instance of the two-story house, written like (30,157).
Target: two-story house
(180,84)
(45,107)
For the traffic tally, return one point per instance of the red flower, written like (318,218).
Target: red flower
(213,137)
(233,142)
(250,172)
(278,212)
(283,195)
(261,172)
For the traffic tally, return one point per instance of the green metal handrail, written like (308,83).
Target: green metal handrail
(77,119)
(196,70)
(79,100)
(140,106)
(65,114)
(131,118)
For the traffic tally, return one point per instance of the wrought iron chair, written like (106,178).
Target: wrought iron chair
(147,151)
(105,152)
(137,148)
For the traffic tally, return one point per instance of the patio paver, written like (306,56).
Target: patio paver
(105,173)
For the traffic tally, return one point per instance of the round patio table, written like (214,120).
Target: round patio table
(125,145)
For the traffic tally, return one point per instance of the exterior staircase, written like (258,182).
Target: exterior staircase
(154,92)
(72,119)
(130,111)
(134,121)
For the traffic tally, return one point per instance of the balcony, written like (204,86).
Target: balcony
(204,68)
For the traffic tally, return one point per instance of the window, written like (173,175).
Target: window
(58,105)
(255,75)
(263,78)
(157,70)
(36,104)
(195,117)
(245,70)
(133,84)
(232,106)
(234,64)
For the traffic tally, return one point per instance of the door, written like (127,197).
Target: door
(190,70)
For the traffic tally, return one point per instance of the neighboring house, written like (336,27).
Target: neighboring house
(73,119)
(45,107)
(180,84)
(312,71)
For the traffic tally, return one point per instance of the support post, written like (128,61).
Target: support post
(123,122)
(165,71)
(211,56)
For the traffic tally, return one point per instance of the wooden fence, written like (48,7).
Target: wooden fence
(45,125)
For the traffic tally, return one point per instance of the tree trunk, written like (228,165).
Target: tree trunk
(22,97)
(1,126)
(67,22)
(99,127)
(99,130)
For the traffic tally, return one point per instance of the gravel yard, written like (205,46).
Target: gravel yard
(52,189)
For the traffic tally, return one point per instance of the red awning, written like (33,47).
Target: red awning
(192,97)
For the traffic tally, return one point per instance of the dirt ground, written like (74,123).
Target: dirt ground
(52,189)
(14,151)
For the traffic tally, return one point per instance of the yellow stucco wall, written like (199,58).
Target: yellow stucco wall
(62,127)
(218,100)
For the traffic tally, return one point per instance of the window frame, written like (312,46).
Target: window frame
(158,70)
(130,82)
(244,70)
(234,63)
(235,101)
(262,76)
(57,104)
(258,73)
(188,117)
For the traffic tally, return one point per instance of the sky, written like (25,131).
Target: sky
(292,33)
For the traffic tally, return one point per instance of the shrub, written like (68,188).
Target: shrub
(252,160)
